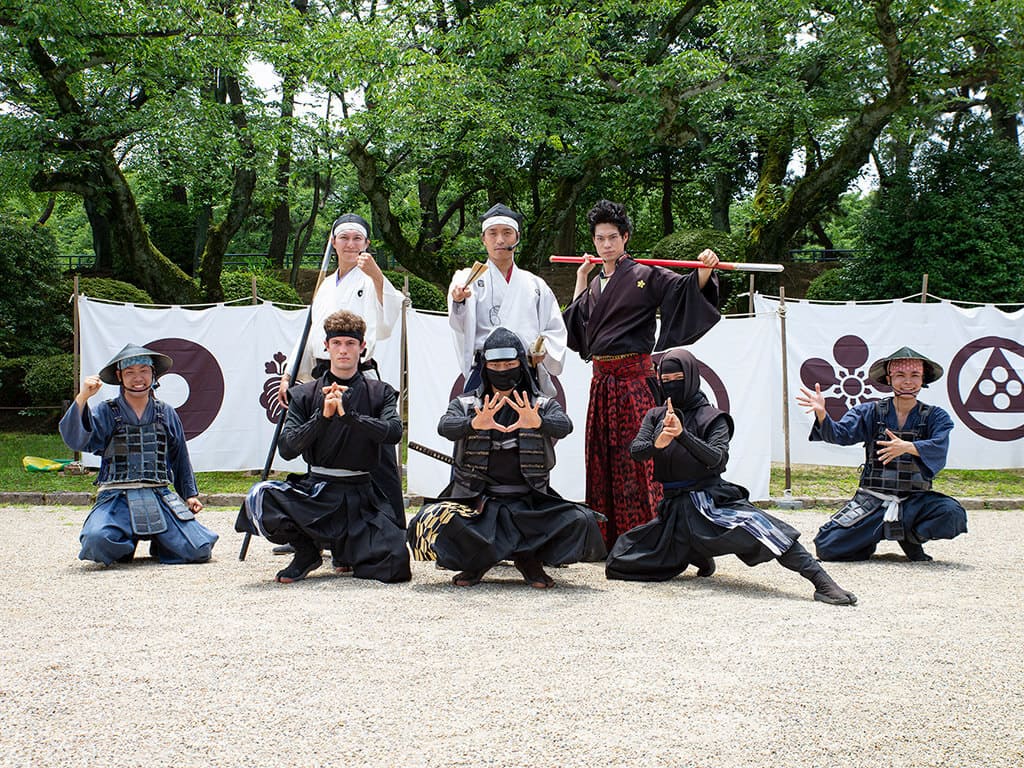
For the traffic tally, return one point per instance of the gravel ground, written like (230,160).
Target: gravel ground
(215,664)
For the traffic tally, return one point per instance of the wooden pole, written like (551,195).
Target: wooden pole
(750,294)
(785,386)
(403,364)
(252,279)
(924,288)
(76,348)
(295,364)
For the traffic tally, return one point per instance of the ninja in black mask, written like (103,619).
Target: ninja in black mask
(504,364)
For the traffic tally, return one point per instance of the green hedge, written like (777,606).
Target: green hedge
(238,285)
(424,295)
(108,289)
(831,285)
(687,245)
(31,321)
(12,381)
(50,380)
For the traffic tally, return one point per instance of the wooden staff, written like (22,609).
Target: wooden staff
(727,266)
(292,377)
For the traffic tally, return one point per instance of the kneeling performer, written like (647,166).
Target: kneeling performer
(143,447)
(702,515)
(339,423)
(499,505)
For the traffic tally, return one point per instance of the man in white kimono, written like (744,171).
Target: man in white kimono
(357,285)
(504,295)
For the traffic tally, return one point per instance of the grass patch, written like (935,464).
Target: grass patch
(14,477)
(808,480)
(818,481)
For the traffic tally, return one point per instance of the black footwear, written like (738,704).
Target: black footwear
(468,578)
(835,595)
(305,561)
(284,549)
(915,552)
(339,565)
(705,566)
(798,559)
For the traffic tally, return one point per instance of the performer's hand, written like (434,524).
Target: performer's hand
(332,400)
(460,294)
(484,418)
(282,391)
(709,259)
(812,402)
(194,504)
(90,386)
(529,415)
(584,269)
(671,427)
(894,447)
(368,264)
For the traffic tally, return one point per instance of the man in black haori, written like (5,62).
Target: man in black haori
(499,505)
(702,515)
(611,321)
(340,423)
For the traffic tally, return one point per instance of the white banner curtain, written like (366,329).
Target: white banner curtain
(736,356)
(227,361)
(228,358)
(980,348)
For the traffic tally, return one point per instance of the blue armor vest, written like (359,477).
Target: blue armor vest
(903,474)
(137,453)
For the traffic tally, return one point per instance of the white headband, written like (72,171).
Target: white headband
(495,220)
(350,226)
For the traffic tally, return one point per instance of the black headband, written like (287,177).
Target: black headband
(357,335)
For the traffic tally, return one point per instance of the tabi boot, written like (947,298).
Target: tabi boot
(705,565)
(914,552)
(798,559)
(307,558)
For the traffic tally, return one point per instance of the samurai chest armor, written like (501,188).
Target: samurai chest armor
(137,453)
(901,475)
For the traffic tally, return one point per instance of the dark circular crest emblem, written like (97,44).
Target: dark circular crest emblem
(201,372)
(990,403)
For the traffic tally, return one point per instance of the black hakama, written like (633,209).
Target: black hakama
(344,515)
(681,534)
(476,533)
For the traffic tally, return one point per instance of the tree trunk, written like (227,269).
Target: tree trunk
(220,234)
(281,225)
(780,219)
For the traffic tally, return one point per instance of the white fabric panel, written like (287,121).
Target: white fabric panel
(980,348)
(734,350)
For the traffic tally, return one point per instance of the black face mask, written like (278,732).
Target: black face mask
(677,390)
(505,380)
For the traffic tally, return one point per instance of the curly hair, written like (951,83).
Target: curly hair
(343,320)
(607,212)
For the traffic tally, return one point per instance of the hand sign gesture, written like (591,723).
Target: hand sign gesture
(671,427)
(332,400)
(484,418)
(529,415)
